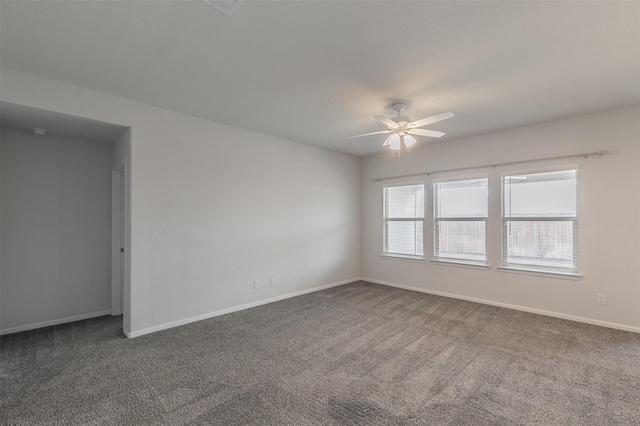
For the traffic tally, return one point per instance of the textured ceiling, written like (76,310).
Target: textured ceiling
(318,71)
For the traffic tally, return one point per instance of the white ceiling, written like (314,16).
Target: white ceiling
(25,119)
(318,71)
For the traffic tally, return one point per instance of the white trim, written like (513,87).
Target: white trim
(123,168)
(509,306)
(460,263)
(165,326)
(53,322)
(405,257)
(541,272)
(117,233)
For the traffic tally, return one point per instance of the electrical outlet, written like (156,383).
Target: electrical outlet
(272,281)
(256,284)
(601,299)
(373,266)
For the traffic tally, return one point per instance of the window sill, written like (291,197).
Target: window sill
(404,257)
(541,273)
(461,264)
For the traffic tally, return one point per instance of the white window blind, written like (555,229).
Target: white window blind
(404,220)
(460,220)
(540,220)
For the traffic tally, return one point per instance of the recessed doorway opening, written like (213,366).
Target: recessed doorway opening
(57,219)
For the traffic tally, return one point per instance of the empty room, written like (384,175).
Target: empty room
(243,212)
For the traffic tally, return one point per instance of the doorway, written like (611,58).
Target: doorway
(57,218)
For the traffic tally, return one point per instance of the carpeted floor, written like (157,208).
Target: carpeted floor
(359,354)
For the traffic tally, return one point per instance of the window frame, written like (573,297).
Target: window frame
(531,267)
(453,260)
(385,220)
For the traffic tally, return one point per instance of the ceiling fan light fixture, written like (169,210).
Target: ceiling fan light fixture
(409,140)
(394,142)
(403,131)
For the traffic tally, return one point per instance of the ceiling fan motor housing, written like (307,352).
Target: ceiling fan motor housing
(401,119)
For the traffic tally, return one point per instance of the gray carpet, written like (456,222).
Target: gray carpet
(359,354)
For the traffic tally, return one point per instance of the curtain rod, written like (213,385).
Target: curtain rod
(585,155)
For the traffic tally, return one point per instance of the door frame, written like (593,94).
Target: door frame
(120,295)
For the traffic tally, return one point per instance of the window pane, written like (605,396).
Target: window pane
(462,198)
(551,194)
(461,240)
(464,238)
(404,201)
(404,214)
(404,237)
(542,243)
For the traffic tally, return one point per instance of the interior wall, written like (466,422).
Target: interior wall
(214,207)
(609,218)
(56,229)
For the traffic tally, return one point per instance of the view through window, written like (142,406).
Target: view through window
(540,221)
(460,220)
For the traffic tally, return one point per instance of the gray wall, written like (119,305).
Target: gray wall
(215,207)
(56,229)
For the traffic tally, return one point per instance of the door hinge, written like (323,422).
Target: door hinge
(121,250)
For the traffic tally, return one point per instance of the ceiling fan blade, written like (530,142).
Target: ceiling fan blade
(423,132)
(430,120)
(387,121)
(372,133)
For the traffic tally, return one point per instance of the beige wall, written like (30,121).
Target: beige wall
(609,217)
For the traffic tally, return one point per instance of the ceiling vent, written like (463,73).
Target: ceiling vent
(225,6)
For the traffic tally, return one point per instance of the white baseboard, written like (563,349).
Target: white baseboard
(509,306)
(172,324)
(53,322)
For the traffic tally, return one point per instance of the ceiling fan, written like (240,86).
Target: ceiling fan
(403,130)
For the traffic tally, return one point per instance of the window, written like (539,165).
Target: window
(540,221)
(403,220)
(460,220)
